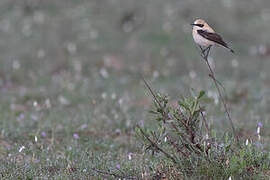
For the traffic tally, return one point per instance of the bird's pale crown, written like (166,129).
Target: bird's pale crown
(201,24)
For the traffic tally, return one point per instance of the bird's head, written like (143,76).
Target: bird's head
(201,24)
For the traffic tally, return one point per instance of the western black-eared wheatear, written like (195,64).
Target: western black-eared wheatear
(206,37)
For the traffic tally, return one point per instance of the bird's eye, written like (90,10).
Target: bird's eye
(200,25)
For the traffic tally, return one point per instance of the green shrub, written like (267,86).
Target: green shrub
(187,148)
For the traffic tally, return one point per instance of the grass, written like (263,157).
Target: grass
(69,77)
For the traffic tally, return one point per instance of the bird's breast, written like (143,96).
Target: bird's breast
(201,40)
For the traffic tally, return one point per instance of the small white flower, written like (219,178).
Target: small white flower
(246,142)
(230,178)
(129,156)
(48,103)
(104,95)
(35,104)
(21,148)
(258,130)
(120,101)
(104,73)
(165,139)
(35,138)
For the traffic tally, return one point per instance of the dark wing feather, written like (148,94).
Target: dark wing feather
(212,37)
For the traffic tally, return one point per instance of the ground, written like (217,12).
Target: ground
(70,77)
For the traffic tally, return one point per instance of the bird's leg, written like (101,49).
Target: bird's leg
(208,50)
(205,52)
(202,50)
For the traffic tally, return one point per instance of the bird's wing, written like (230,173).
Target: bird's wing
(212,37)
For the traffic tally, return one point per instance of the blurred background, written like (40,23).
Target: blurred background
(70,69)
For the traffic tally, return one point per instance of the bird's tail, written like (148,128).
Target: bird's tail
(232,51)
(226,46)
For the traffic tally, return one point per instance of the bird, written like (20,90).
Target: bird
(206,37)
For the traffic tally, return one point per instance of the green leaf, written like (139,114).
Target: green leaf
(201,94)
(227,148)
(159,119)
(184,105)
(137,130)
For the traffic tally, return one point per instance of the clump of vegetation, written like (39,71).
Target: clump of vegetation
(187,148)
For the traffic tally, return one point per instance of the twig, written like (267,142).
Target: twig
(156,146)
(151,91)
(177,147)
(205,122)
(212,75)
(164,114)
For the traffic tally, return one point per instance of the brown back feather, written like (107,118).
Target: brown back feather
(212,37)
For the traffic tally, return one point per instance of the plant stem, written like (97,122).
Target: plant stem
(156,146)
(205,123)
(212,76)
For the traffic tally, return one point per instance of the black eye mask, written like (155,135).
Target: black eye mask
(200,25)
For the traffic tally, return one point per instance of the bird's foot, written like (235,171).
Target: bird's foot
(205,52)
